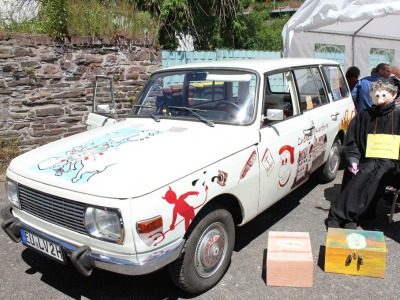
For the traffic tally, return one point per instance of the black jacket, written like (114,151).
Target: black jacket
(381,119)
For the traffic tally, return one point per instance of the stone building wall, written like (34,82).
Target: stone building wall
(46,87)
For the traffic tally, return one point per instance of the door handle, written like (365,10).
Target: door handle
(334,116)
(308,131)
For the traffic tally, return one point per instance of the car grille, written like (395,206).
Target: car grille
(53,209)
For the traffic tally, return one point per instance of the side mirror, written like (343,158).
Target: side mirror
(274,115)
(100,83)
(104,109)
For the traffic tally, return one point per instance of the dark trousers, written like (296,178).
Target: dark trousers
(359,192)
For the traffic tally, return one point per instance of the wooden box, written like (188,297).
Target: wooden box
(289,259)
(355,252)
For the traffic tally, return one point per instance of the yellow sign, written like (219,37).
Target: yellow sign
(383,146)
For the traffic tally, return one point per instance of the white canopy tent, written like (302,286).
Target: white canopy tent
(358,33)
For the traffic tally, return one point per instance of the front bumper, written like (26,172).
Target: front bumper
(85,260)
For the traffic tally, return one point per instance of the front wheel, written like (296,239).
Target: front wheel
(6,212)
(328,171)
(207,252)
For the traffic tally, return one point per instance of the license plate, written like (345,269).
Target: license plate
(42,245)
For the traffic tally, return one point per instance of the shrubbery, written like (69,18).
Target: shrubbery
(8,150)
(213,24)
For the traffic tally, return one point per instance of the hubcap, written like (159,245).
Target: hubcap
(333,159)
(211,250)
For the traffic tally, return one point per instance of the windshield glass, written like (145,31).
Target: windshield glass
(214,95)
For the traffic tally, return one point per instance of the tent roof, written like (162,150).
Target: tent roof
(379,19)
(373,28)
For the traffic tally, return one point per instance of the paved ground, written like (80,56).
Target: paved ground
(26,275)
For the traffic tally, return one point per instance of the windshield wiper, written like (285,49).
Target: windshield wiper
(194,112)
(155,118)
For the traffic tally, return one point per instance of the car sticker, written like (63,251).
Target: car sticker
(81,162)
(287,159)
(248,164)
(344,124)
(222,178)
(181,208)
(268,161)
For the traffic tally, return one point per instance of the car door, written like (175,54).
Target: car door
(342,105)
(283,141)
(314,103)
(321,107)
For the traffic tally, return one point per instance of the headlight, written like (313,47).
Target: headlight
(12,192)
(104,224)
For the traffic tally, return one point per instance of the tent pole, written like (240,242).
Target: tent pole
(352,49)
(353,36)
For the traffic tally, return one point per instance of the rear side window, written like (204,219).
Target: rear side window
(311,89)
(336,82)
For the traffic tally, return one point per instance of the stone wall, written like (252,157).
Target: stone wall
(46,87)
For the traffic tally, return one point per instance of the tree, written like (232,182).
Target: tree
(210,22)
(213,24)
(257,30)
(217,24)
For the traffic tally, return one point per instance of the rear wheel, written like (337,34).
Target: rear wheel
(328,171)
(207,251)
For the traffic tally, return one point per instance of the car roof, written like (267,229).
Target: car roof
(259,65)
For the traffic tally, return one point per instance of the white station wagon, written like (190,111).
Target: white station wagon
(207,147)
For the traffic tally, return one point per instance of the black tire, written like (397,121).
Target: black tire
(328,171)
(207,252)
(6,212)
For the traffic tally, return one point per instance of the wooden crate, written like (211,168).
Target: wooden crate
(289,259)
(355,252)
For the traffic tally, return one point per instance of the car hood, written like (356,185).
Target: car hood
(133,157)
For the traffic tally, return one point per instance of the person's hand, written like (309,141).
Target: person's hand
(354,168)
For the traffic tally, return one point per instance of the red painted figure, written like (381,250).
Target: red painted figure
(181,207)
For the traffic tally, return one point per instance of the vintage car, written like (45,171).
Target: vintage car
(207,147)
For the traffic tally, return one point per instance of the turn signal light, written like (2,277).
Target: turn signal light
(147,226)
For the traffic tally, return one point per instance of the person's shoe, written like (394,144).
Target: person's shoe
(350,225)
(369,214)
(333,224)
(388,197)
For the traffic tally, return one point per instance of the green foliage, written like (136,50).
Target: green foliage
(208,21)
(8,151)
(213,24)
(26,26)
(104,18)
(17,20)
(61,18)
(270,37)
(217,24)
(258,31)
(54,17)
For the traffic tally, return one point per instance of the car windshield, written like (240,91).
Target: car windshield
(205,95)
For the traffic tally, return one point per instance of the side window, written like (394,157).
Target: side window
(278,94)
(323,97)
(336,82)
(311,89)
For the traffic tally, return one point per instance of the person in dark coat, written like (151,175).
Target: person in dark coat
(352,75)
(360,92)
(365,179)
